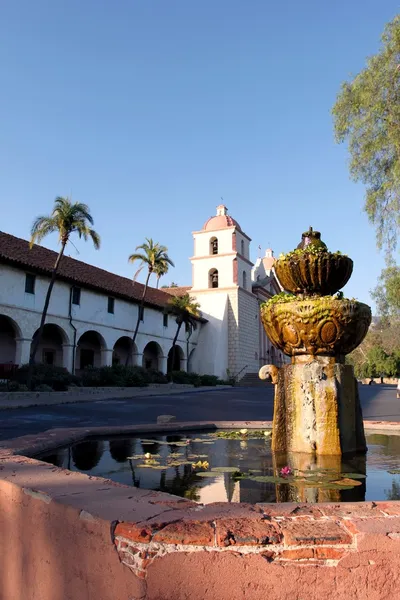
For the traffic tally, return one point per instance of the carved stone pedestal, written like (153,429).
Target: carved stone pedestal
(316,408)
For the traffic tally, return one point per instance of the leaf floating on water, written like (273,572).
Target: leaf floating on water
(207,474)
(141,456)
(355,475)
(394,471)
(225,469)
(271,479)
(150,466)
(193,456)
(346,482)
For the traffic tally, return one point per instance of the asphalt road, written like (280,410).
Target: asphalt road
(378,402)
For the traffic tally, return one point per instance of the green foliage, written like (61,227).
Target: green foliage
(379,353)
(209,380)
(367,115)
(156,376)
(154,256)
(185,378)
(66,218)
(43,387)
(387,293)
(57,378)
(311,249)
(279,298)
(14,386)
(115,376)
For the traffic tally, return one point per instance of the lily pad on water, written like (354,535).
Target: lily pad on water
(207,474)
(271,479)
(141,456)
(157,467)
(394,471)
(193,456)
(225,469)
(354,475)
(346,482)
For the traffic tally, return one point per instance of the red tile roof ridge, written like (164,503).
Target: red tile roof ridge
(14,250)
(179,290)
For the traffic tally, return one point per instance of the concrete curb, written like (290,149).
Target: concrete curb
(29,399)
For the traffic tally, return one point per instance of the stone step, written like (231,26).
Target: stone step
(253,380)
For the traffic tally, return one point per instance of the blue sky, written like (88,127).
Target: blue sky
(150,111)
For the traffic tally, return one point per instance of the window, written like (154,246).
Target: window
(76,296)
(111,302)
(30,283)
(141,312)
(213,278)
(214,246)
(245,280)
(165,319)
(242,248)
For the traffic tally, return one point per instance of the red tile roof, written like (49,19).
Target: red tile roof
(15,251)
(177,291)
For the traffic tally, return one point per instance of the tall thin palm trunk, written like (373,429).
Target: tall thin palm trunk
(140,313)
(38,337)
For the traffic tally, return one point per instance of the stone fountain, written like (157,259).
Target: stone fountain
(316,408)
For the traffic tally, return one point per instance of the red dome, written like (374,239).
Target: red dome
(221,221)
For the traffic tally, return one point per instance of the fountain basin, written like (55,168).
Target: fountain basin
(307,273)
(316,326)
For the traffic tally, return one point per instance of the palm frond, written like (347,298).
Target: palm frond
(41,227)
(66,218)
(137,256)
(95,238)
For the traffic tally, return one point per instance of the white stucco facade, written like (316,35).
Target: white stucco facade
(89,325)
(79,328)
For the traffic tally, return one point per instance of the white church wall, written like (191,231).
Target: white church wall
(203,241)
(91,315)
(202,268)
(211,354)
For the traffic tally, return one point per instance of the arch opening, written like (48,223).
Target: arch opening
(152,356)
(123,350)
(213,280)
(88,351)
(9,332)
(50,349)
(214,245)
(175,359)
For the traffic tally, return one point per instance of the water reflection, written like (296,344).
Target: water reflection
(87,455)
(394,492)
(323,470)
(172,471)
(120,449)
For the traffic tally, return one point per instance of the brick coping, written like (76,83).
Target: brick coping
(146,525)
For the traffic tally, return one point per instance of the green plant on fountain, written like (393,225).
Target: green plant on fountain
(316,399)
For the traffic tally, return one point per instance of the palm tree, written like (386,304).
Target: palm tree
(66,218)
(186,311)
(154,256)
(160,270)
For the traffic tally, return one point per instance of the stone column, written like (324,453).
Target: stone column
(106,357)
(183,364)
(162,364)
(317,408)
(137,359)
(22,351)
(68,355)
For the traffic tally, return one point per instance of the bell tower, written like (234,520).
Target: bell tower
(221,258)
(221,283)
